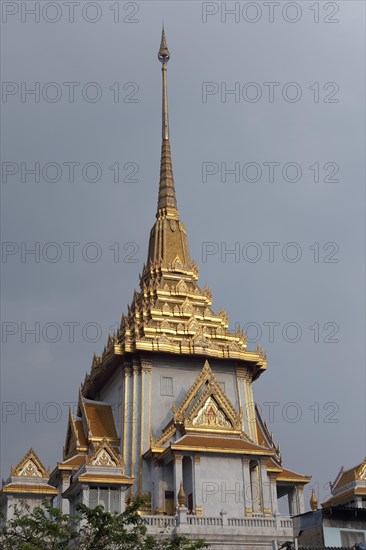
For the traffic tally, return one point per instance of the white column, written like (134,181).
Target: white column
(250,407)
(292,501)
(10,501)
(300,498)
(273,486)
(85,495)
(122,500)
(256,490)
(178,476)
(64,484)
(358,502)
(145,416)
(197,484)
(145,405)
(247,490)
(136,424)
(240,381)
(85,500)
(265,488)
(127,418)
(158,496)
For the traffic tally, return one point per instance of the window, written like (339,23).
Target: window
(106,497)
(166,385)
(349,538)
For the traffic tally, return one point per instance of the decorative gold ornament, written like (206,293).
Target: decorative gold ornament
(181,497)
(313,501)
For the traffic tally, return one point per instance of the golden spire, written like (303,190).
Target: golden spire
(167,201)
(168,240)
(313,501)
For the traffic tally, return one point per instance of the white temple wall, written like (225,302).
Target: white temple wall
(221,486)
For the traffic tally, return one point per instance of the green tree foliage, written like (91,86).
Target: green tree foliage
(46,528)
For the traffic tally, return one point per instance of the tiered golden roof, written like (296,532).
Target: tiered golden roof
(91,441)
(171,312)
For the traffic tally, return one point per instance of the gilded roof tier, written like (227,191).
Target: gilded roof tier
(171,313)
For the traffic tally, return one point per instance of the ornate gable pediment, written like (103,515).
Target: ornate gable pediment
(213,410)
(104,455)
(205,385)
(30,466)
(204,408)
(211,416)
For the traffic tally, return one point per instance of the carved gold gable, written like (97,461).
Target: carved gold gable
(30,466)
(104,455)
(30,470)
(213,411)
(104,459)
(211,416)
(204,408)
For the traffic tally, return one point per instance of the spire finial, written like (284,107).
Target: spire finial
(164,54)
(167,198)
(168,238)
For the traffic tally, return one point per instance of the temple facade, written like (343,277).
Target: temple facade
(167,411)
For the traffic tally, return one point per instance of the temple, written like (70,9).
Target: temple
(167,411)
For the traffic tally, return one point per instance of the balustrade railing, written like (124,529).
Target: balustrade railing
(271,523)
(160,521)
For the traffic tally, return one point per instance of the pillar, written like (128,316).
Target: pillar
(255,486)
(122,499)
(145,421)
(145,405)
(85,495)
(293,502)
(158,496)
(300,498)
(247,490)
(240,381)
(178,476)
(127,418)
(85,500)
(273,493)
(265,488)
(197,493)
(64,502)
(250,407)
(136,425)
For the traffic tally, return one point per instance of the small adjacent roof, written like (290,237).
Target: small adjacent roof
(30,466)
(347,476)
(348,485)
(29,477)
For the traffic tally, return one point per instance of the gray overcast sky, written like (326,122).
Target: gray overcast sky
(316,376)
